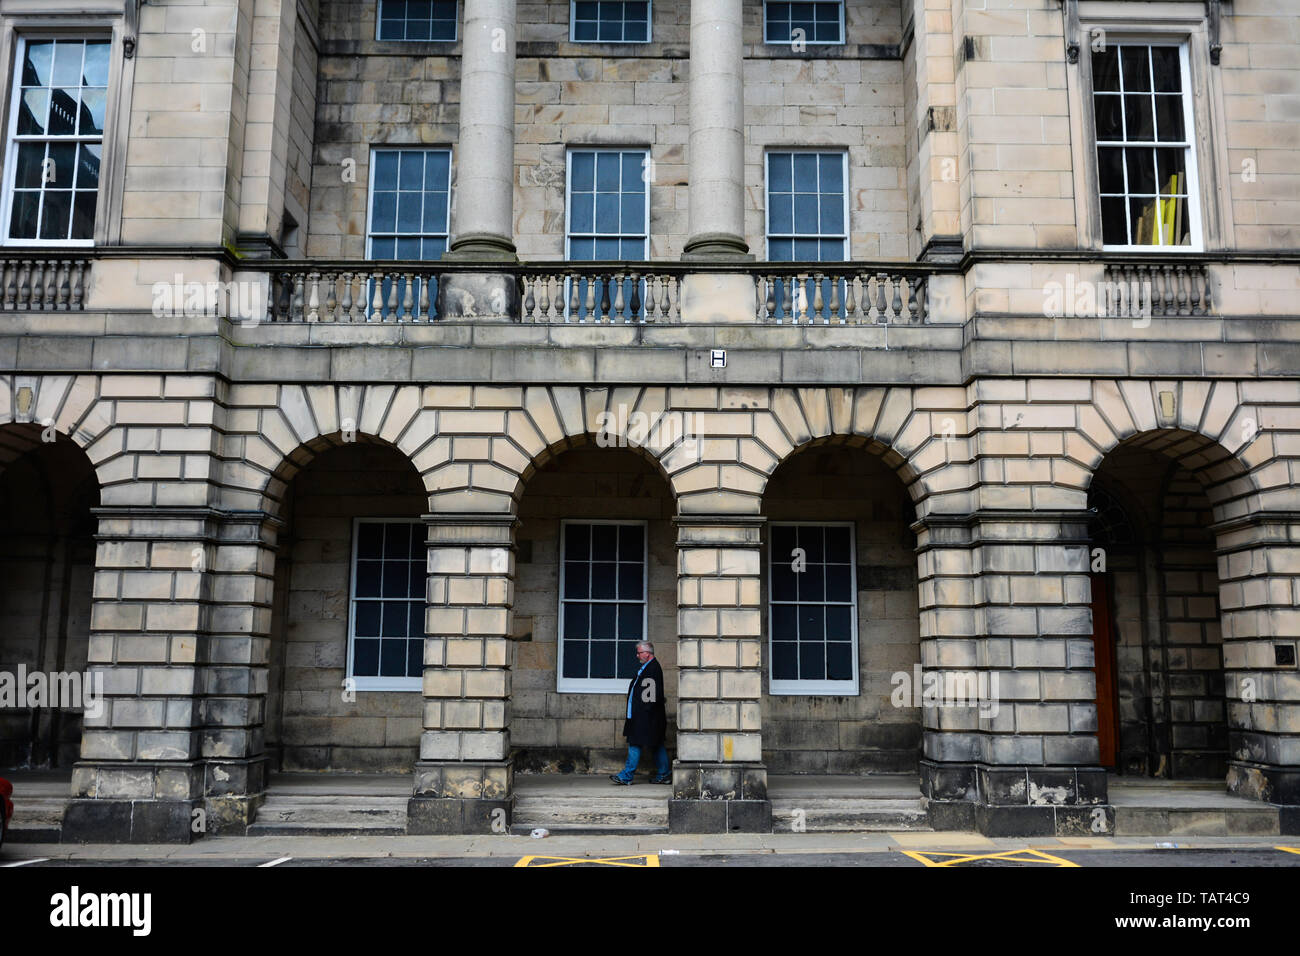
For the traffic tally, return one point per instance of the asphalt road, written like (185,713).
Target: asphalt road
(1053,858)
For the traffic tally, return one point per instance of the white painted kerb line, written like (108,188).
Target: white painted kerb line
(275,862)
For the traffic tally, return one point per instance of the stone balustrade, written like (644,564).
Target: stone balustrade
(43,281)
(1135,289)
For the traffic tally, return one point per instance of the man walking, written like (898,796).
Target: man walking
(647,718)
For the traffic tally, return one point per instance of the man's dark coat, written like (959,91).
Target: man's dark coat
(649,721)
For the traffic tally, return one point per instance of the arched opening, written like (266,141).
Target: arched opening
(1157,640)
(347,624)
(841,615)
(47,566)
(596,571)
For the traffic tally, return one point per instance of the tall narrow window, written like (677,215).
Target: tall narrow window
(417,20)
(1146,167)
(609,21)
(813,610)
(602,604)
(56,137)
(386,612)
(802,21)
(609,215)
(410,192)
(807,220)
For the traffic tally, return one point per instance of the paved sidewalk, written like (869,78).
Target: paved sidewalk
(273,847)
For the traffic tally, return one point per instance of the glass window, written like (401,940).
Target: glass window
(609,21)
(410,192)
(807,218)
(803,21)
(602,605)
(812,605)
(56,140)
(609,218)
(1145,164)
(417,20)
(386,632)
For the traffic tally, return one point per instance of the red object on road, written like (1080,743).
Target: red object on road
(6,807)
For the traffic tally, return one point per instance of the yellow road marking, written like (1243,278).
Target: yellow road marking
(643,860)
(1288,849)
(1011,856)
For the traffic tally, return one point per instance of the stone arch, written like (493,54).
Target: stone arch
(1201,425)
(70,406)
(275,431)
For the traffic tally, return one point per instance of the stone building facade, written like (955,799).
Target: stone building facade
(391,371)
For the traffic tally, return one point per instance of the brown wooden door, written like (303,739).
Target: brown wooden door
(1103,643)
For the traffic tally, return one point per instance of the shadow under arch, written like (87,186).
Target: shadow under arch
(48,492)
(838,627)
(1157,636)
(595,572)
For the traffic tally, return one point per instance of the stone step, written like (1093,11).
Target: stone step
(329,815)
(598,814)
(38,811)
(1196,821)
(847,815)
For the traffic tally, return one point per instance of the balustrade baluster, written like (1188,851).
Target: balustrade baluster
(617,314)
(850,299)
(635,303)
(834,314)
(313,297)
(377,303)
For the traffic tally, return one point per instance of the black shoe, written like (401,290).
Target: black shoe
(619,780)
(668,778)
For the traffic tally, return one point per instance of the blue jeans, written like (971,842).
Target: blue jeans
(634,758)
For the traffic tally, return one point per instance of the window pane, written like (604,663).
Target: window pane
(1105,69)
(633,219)
(811,540)
(629,622)
(577,622)
(1173,173)
(781,214)
(603,579)
(392,659)
(67,63)
(839,661)
(602,660)
(575,659)
(56,214)
(1110,165)
(785,660)
(88,166)
(805,213)
(91,118)
(1141,170)
(607,213)
(1169,117)
(33,111)
(1138,124)
(576,580)
(607,172)
(415,658)
(37,63)
(94,72)
(785,622)
(83,215)
(812,661)
(366,619)
(1110,123)
(63,165)
(1168,69)
(385,170)
(604,542)
(780,168)
(604,622)
(839,582)
(1136,69)
(832,214)
(812,586)
(805,172)
(365,658)
(369,574)
(1142,221)
(63,112)
(1114,227)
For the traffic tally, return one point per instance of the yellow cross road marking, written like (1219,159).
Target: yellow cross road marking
(934,858)
(644,859)
(1288,849)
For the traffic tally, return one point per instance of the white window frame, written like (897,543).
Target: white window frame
(370,197)
(372,682)
(821,688)
(767,201)
(599,685)
(12,141)
(573,25)
(568,200)
(842,41)
(379,18)
(1195,227)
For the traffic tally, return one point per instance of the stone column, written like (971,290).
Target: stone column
(937,139)
(1259,593)
(234,676)
(140,777)
(1006,614)
(719,780)
(464,777)
(717,143)
(483,209)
